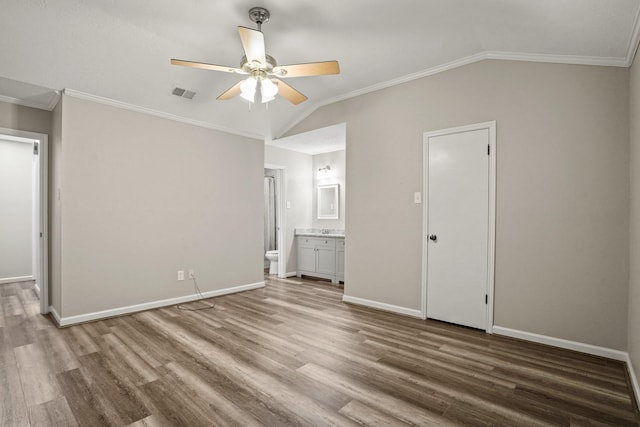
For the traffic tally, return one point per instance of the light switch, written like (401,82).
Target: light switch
(417,197)
(288,205)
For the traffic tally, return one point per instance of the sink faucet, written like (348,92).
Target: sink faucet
(325,231)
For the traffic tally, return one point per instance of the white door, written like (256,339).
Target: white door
(458,229)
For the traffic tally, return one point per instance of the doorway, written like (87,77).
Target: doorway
(36,145)
(278,174)
(459,225)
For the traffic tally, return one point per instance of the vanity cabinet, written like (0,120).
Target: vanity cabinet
(318,257)
(339,260)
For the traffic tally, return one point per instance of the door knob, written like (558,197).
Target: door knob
(433,237)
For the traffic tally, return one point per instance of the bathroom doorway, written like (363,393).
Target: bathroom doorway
(274,220)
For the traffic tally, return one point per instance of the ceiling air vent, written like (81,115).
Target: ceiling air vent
(183,93)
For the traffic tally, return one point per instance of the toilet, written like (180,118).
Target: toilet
(272,256)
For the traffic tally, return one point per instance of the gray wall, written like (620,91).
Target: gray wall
(16,209)
(143,197)
(337,161)
(299,181)
(24,118)
(634,276)
(562,190)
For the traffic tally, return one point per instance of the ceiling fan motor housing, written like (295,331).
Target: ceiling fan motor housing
(248,67)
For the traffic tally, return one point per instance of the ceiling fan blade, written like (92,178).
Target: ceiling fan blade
(230,93)
(310,69)
(286,91)
(253,44)
(206,66)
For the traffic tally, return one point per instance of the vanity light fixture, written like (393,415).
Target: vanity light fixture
(324,172)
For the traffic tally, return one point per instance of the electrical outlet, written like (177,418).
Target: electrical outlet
(180,274)
(192,273)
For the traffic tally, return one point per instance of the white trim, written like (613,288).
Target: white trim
(81,318)
(281,217)
(32,104)
(15,279)
(562,343)
(37,289)
(505,56)
(43,275)
(633,41)
(558,59)
(491,237)
(43,209)
(634,379)
(55,315)
(290,274)
(491,262)
(381,306)
(156,113)
(595,350)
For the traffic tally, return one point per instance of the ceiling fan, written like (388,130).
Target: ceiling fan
(263,71)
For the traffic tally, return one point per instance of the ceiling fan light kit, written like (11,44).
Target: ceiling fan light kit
(263,70)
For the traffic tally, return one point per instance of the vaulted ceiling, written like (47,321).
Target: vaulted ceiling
(120,49)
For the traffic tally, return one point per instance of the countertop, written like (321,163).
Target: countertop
(317,232)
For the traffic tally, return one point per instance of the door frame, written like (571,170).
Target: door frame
(491,127)
(41,211)
(280,218)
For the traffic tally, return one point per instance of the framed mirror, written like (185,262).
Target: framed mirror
(328,201)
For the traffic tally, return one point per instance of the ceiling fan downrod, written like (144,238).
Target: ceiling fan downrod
(259,15)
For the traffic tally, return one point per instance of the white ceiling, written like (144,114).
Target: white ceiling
(120,49)
(318,141)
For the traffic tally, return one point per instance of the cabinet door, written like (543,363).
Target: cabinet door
(326,257)
(306,255)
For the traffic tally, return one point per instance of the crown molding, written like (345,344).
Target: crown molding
(633,42)
(144,110)
(557,59)
(496,55)
(53,101)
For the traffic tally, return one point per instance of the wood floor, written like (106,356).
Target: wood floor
(290,354)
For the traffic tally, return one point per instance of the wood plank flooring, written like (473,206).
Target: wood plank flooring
(290,354)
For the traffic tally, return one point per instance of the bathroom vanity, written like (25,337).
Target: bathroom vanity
(321,254)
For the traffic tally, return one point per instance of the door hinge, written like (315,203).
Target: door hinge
(486,299)
(35,149)
(488,150)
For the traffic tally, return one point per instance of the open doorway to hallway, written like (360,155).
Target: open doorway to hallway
(23,212)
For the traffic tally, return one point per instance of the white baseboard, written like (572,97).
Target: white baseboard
(562,343)
(382,306)
(37,288)
(609,353)
(54,313)
(290,274)
(15,279)
(81,318)
(634,379)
